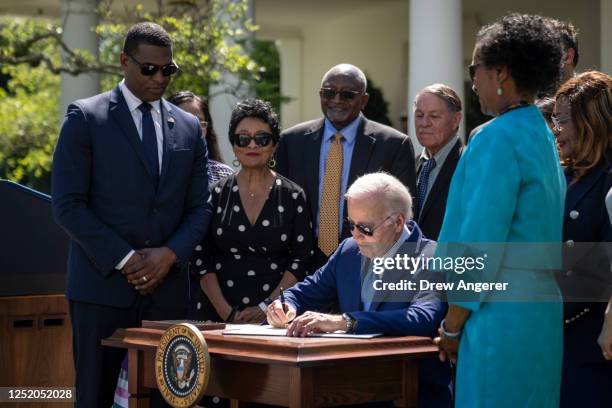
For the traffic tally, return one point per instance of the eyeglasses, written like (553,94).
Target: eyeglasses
(261,139)
(472,69)
(347,95)
(365,230)
(147,69)
(557,123)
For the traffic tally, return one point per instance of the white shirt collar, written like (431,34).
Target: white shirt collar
(403,237)
(133,102)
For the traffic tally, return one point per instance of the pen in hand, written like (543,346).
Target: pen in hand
(282,299)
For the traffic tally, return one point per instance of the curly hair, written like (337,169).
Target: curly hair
(568,35)
(146,33)
(254,108)
(527,46)
(181,97)
(590,99)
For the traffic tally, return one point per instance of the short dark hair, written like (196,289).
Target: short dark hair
(527,46)
(568,35)
(181,97)
(146,33)
(254,108)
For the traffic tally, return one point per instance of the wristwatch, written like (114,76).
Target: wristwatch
(350,323)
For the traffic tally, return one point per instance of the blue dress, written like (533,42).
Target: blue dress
(509,190)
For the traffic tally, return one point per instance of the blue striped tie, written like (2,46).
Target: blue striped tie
(149,141)
(422,183)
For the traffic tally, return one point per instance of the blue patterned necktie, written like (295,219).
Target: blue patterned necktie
(422,183)
(149,141)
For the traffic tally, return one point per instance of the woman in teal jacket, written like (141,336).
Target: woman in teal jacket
(506,201)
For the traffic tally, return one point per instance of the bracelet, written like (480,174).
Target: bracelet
(232,314)
(449,335)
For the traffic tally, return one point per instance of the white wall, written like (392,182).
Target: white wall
(372,35)
(584,14)
(369,34)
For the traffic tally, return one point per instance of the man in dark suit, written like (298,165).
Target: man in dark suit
(324,156)
(129,186)
(379,206)
(437,115)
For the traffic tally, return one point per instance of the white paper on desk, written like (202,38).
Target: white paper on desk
(267,330)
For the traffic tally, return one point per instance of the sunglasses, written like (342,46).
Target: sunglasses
(472,69)
(329,93)
(147,69)
(261,139)
(365,230)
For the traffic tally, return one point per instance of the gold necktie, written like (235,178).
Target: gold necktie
(329,211)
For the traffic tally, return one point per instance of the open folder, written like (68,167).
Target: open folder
(267,330)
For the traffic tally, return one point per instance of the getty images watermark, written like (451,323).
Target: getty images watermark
(412,265)
(493,271)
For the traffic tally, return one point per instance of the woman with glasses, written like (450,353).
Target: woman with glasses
(505,198)
(583,128)
(190,102)
(260,236)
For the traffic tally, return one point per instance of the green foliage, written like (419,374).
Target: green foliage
(209,38)
(29,120)
(265,55)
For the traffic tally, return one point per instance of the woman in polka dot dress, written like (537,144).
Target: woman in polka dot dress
(260,237)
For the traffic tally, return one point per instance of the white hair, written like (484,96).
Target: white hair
(385,189)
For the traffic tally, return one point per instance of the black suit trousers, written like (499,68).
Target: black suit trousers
(97,367)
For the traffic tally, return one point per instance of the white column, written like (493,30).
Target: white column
(222,99)
(80,19)
(290,53)
(221,103)
(606,34)
(435,50)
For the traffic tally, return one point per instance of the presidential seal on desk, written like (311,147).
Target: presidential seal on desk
(182,365)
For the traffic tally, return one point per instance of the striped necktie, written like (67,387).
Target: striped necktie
(329,213)
(422,183)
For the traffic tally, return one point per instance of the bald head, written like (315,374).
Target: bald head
(343,94)
(347,71)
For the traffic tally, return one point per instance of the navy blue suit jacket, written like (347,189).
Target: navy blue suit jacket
(418,313)
(106,200)
(586,264)
(406,313)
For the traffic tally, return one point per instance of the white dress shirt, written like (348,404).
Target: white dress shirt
(133,103)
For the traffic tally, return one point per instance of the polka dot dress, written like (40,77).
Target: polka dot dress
(250,259)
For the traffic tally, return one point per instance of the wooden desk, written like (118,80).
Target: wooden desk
(292,372)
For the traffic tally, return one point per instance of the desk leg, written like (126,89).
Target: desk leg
(139,395)
(410,382)
(301,387)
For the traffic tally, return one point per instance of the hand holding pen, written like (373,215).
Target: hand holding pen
(282,299)
(280,313)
